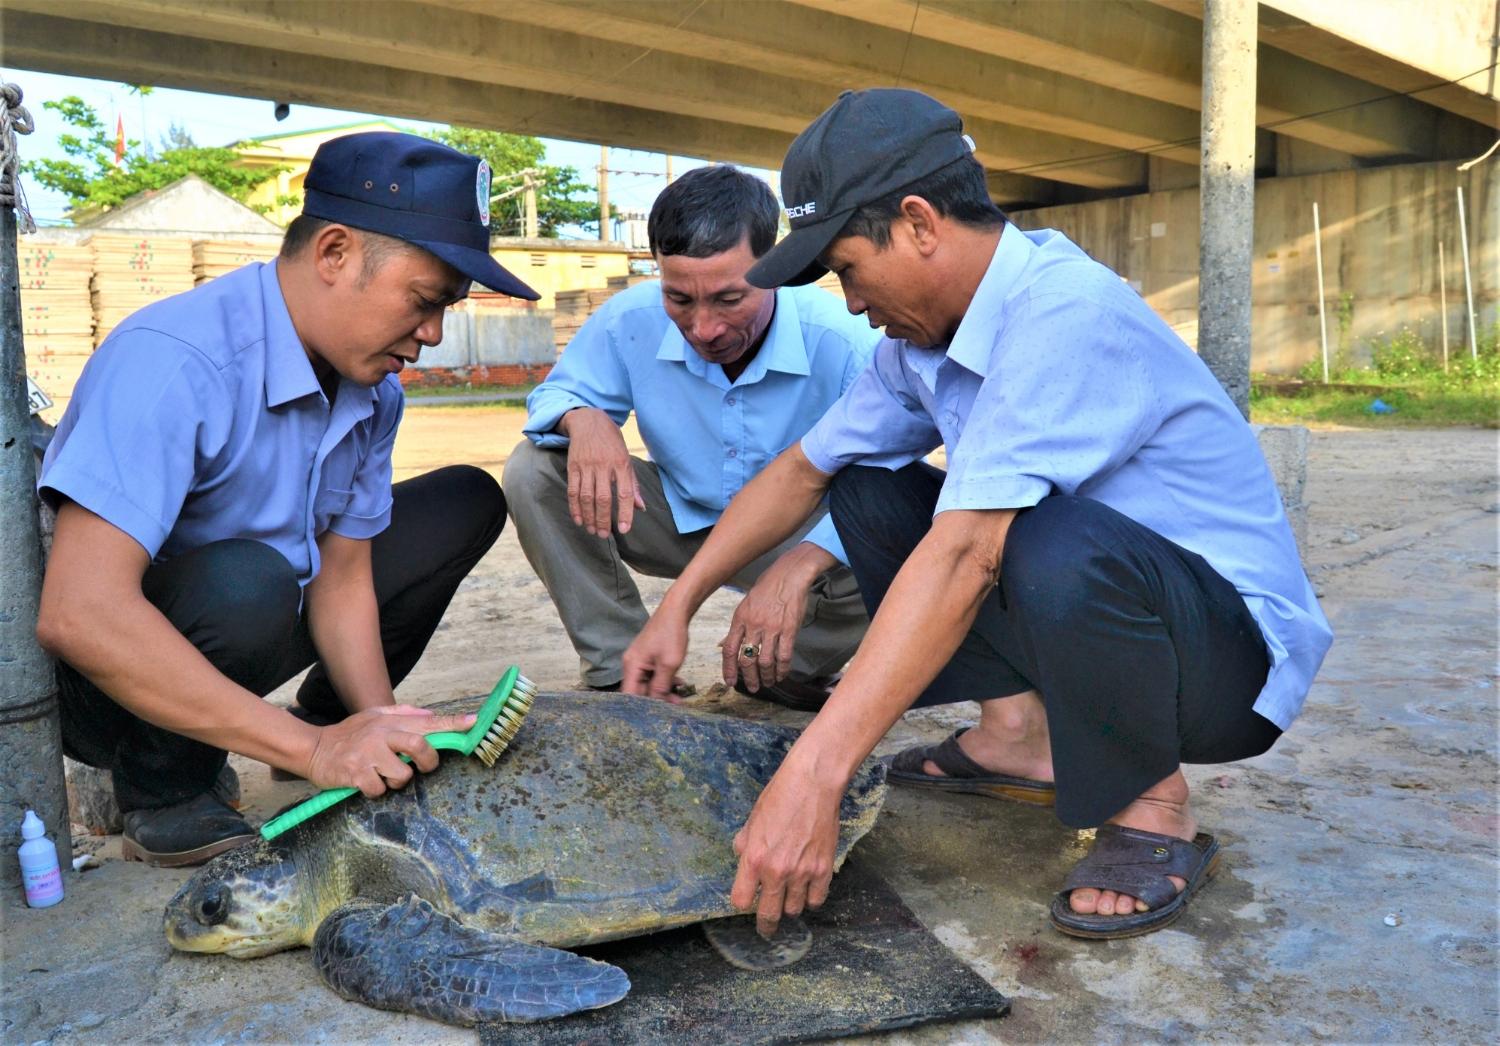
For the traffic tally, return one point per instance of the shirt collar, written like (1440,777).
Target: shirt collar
(975,338)
(289,373)
(783,348)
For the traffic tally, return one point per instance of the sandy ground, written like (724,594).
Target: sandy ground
(502,614)
(1380,802)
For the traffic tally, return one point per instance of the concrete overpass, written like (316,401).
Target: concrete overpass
(1068,100)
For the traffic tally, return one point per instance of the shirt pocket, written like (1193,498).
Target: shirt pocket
(332,502)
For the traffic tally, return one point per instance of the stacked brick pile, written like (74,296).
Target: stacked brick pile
(131,272)
(574,307)
(57,319)
(213,258)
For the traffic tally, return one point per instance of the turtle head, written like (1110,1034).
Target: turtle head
(243,903)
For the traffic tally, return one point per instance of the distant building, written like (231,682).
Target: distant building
(293,151)
(189,208)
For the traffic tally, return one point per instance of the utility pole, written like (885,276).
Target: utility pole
(31,765)
(529,205)
(669,168)
(604,193)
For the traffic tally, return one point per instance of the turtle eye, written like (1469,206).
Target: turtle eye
(212,905)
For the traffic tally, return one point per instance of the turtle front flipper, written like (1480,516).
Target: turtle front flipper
(410,956)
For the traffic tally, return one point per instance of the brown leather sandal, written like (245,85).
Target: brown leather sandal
(1135,863)
(963,774)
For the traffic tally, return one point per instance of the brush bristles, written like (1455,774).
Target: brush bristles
(503,730)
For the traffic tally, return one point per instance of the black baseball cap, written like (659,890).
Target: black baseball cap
(413,189)
(867,145)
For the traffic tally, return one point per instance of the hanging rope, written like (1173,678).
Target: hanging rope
(14,120)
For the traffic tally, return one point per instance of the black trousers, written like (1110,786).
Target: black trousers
(1144,656)
(237,602)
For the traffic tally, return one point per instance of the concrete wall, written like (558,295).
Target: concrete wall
(1381,229)
(549,266)
(491,338)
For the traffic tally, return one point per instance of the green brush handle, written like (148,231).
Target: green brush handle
(303,811)
(451,740)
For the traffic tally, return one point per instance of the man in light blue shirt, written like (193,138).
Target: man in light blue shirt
(1105,566)
(722,377)
(225,512)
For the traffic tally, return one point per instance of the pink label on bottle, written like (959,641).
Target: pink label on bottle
(43,886)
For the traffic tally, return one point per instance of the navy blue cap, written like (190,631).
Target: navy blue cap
(867,145)
(413,189)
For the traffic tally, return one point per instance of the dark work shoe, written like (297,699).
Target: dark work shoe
(806,696)
(185,834)
(226,787)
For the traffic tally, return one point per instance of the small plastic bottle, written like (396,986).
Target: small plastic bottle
(39,871)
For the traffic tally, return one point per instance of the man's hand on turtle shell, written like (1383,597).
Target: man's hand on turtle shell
(786,848)
(364,751)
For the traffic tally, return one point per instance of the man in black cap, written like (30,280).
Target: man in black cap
(225,511)
(1105,565)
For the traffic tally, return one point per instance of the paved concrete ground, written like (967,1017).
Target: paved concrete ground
(1381,801)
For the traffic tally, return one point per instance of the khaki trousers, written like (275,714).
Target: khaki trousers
(598,601)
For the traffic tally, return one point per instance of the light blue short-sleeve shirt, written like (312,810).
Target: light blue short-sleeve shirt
(707,436)
(1061,379)
(200,419)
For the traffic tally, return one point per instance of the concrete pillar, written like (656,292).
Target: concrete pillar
(1228,194)
(31,766)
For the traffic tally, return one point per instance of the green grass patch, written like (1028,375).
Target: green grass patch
(1404,374)
(434,395)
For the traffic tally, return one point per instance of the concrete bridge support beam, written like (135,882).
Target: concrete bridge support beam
(1228,194)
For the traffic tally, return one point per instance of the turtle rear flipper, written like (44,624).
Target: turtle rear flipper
(410,956)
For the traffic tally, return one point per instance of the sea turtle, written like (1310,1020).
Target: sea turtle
(608,817)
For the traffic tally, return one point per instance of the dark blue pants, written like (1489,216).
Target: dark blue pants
(1144,656)
(237,602)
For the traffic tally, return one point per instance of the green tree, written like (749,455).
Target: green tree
(558,189)
(91,181)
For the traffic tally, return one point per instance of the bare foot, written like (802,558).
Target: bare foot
(1011,738)
(1162,809)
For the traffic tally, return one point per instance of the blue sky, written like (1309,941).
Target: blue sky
(222,119)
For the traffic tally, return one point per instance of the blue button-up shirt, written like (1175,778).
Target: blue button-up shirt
(1061,379)
(708,437)
(200,419)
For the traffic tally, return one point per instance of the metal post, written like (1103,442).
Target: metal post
(1227,189)
(31,766)
(604,193)
(1443,299)
(1322,298)
(1463,241)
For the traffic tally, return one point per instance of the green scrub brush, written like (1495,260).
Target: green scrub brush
(498,720)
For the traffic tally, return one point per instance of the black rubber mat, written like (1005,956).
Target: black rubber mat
(872,967)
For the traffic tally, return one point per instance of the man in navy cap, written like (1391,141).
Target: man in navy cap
(1105,565)
(225,511)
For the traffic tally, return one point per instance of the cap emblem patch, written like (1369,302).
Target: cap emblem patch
(482,191)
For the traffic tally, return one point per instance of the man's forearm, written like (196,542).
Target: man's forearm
(929,608)
(133,654)
(806,562)
(343,619)
(767,511)
(565,423)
